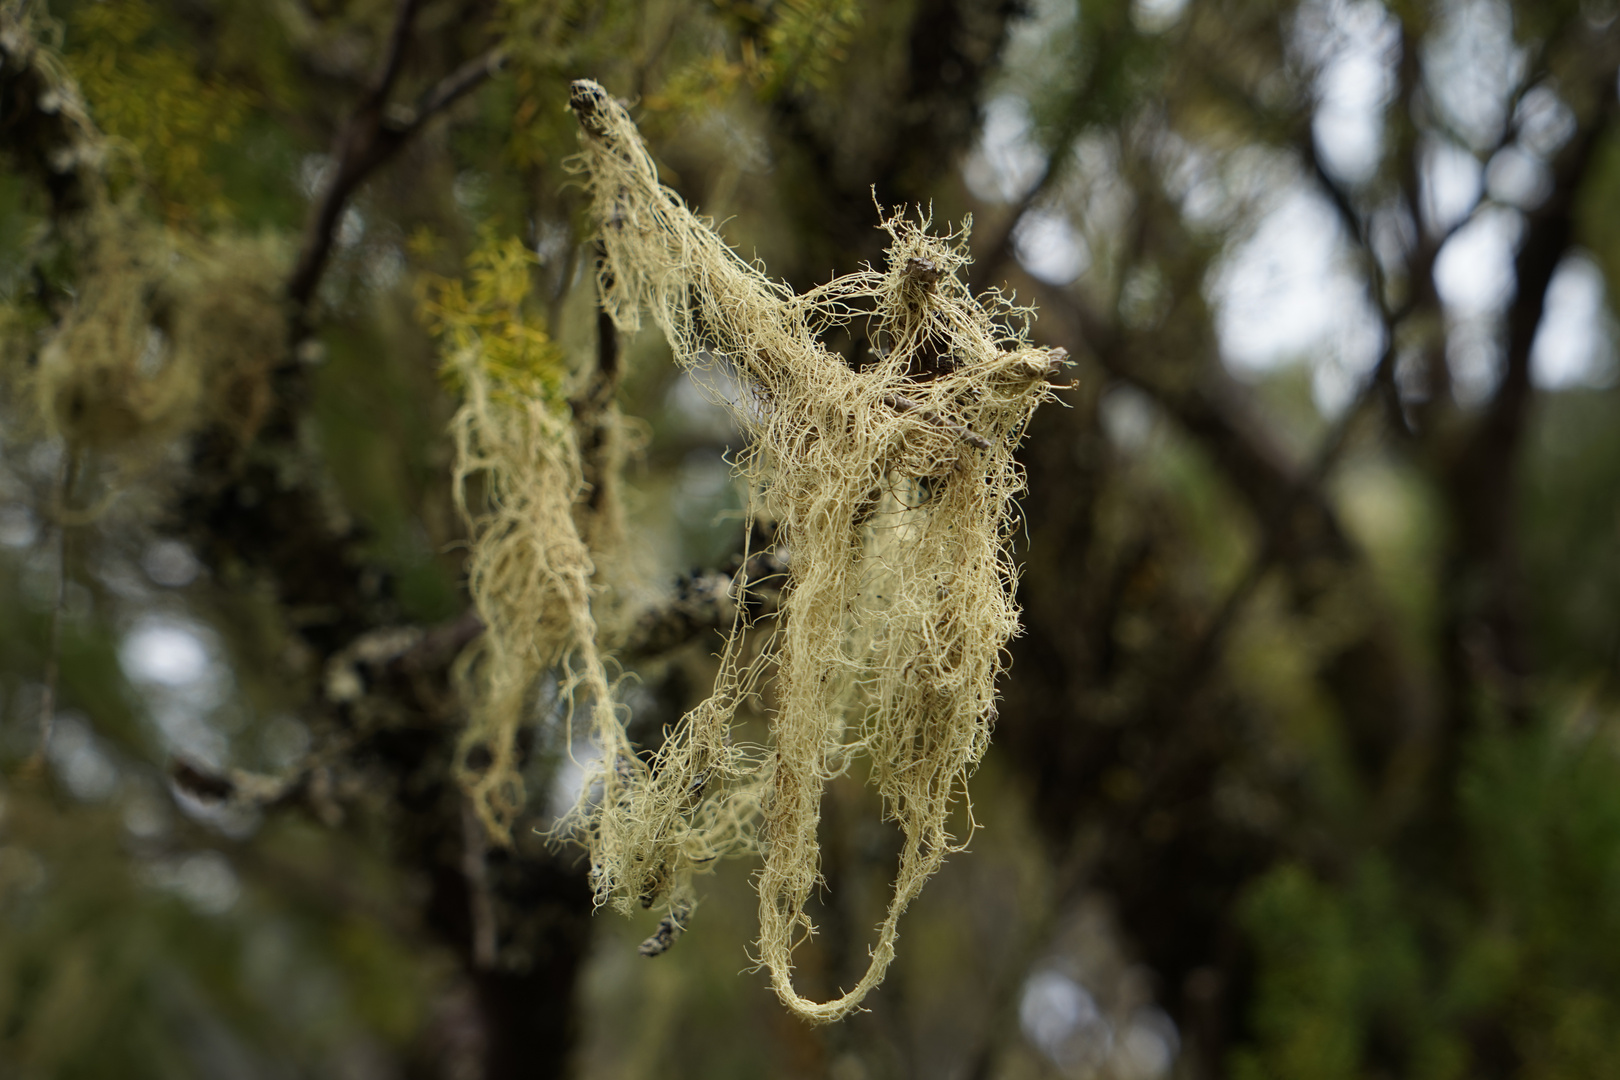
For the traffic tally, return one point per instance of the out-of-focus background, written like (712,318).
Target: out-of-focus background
(1307,763)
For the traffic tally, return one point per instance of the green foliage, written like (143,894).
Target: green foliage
(1385,973)
(1545,815)
(804,40)
(145,91)
(167,967)
(494,314)
(785,46)
(1571,519)
(1305,1012)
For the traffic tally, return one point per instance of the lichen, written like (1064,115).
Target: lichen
(166,333)
(892,485)
(531,568)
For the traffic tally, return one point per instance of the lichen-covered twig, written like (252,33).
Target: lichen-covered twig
(905,405)
(708,602)
(669,930)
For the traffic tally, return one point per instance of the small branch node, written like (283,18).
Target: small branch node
(905,405)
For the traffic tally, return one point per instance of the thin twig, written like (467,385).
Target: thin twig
(998,250)
(453,87)
(994,254)
(53,642)
(906,405)
(480,905)
(373,134)
(595,420)
(355,144)
(669,930)
(706,602)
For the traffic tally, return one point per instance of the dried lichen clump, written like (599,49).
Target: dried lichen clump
(893,486)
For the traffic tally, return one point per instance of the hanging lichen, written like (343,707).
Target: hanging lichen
(531,566)
(892,486)
(167,333)
(166,330)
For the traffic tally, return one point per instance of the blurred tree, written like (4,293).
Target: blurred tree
(1306,765)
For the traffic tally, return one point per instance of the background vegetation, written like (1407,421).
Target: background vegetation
(1307,763)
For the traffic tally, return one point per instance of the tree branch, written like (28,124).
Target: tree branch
(1549,232)
(372,135)
(1274,531)
(452,88)
(595,419)
(928,416)
(1000,248)
(43,122)
(1213,414)
(399,39)
(1483,631)
(705,602)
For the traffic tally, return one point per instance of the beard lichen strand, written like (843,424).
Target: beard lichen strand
(530,577)
(893,487)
